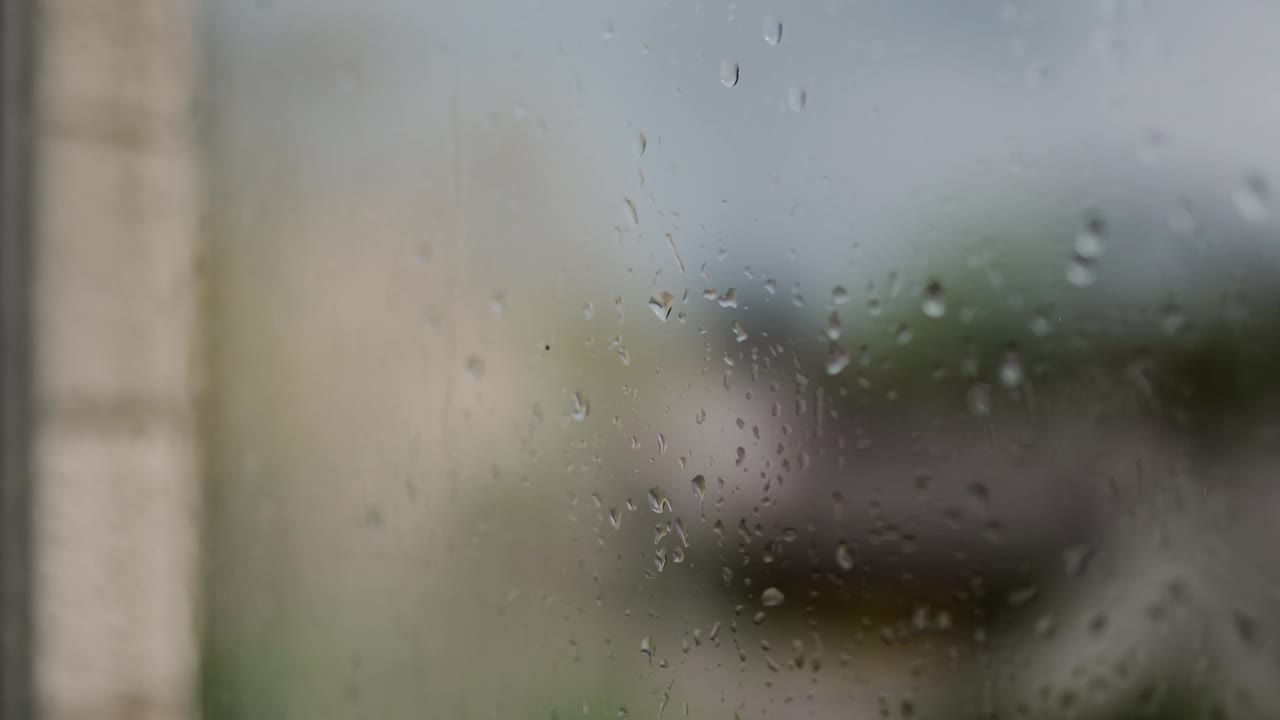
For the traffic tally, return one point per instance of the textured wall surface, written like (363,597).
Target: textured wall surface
(117,501)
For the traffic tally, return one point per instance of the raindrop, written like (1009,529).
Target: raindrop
(661,305)
(739,333)
(796,98)
(839,296)
(844,556)
(729,299)
(475,367)
(498,303)
(662,444)
(1080,273)
(588,311)
(837,359)
(629,209)
(979,400)
(935,300)
(772,30)
(728,73)
(1089,244)
(771,286)
(726,574)
(699,484)
(1040,325)
(615,518)
(581,407)
(903,334)
(658,501)
(1011,374)
(701,417)
(833,326)
(1253,198)
(772,597)
(647,647)
(1173,322)
(642,143)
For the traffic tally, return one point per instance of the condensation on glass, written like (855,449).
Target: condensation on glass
(742,360)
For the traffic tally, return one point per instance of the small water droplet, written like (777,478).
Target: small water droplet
(772,30)
(772,597)
(979,400)
(641,144)
(729,299)
(844,556)
(647,647)
(498,303)
(701,417)
(728,73)
(935,300)
(581,407)
(771,286)
(739,332)
(1080,273)
(662,444)
(1253,198)
(839,296)
(903,334)
(796,98)
(833,326)
(615,518)
(1040,325)
(475,367)
(588,311)
(661,305)
(837,359)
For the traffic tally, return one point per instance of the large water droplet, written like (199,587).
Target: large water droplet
(699,484)
(581,407)
(661,305)
(839,296)
(728,73)
(772,597)
(844,556)
(729,299)
(935,300)
(772,30)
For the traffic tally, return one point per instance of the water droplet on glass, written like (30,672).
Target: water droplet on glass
(615,518)
(796,98)
(903,334)
(979,400)
(588,311)
(661,305)
(642,143)
(581,408)
(729,299)
(699,484)
(701,417)
(772,30)
(844,556)
(739,332)
(837,359)
(771,286)
(1011,375)
(629,209)
(662,444)
(1080,273)
(1253,198)
(475,367)
(1089,243)
(772,597)
(728,73)
(647,647)
(839,296)
(935,300)
(1172,322)
(1040,325)
(658,501)
(833,326)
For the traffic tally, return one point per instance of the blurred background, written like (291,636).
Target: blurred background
(534,359)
